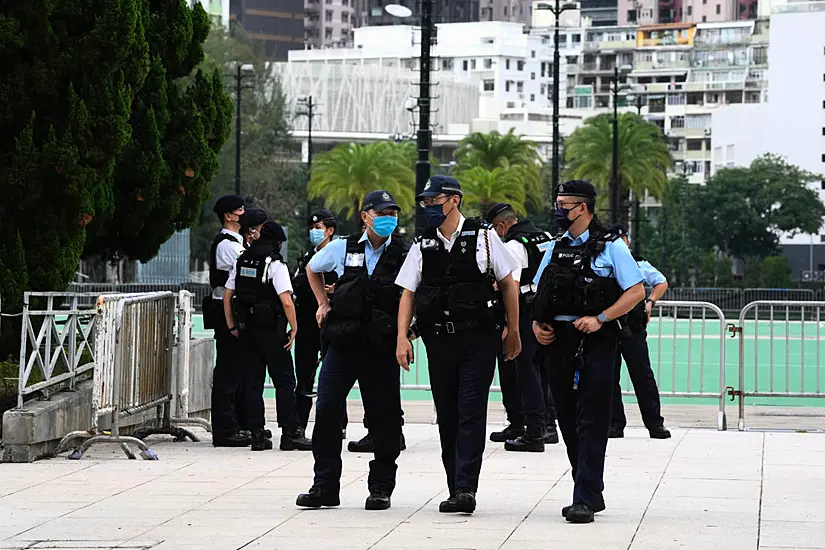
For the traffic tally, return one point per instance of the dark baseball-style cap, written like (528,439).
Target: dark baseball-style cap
(272,230)
(379,200)
(619,229)
(576,188)
(437,185)
(253,216)
(497,209)
(228,203)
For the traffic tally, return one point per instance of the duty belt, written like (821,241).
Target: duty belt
(526,289)
(451,327)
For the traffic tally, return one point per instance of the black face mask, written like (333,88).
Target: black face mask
(564,223)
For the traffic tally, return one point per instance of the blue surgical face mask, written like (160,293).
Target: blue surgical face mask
(384,225)
(316,236)
(435,215)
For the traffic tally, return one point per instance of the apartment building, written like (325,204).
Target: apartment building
(277,25)
(649,12)
(371,12)
(516,11)
(329,23)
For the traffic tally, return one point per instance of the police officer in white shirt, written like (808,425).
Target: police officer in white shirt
(226,247)
(448,279)
(262,293)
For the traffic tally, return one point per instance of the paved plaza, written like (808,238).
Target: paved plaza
(702,489)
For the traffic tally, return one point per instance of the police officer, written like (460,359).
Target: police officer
(322,227)
(360,327)
(263,306)
(586,281)
(521,384)
(448,278)
(227,377)
(637,357)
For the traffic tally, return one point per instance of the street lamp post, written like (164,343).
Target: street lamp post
(638,101)
(615,188)
(242,71)
(556,10)
(310,113)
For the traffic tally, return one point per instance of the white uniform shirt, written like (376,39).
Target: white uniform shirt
(503,263)
(519,254)
(226,255)
(278,273)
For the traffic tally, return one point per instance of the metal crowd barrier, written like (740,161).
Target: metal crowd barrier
(183,337)
(133,370)
(686,342)
(790,335)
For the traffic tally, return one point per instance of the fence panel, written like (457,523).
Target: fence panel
(183,337)
(778,295)
(687,352)
(780,351)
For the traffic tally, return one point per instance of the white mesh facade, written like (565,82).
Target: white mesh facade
(370,98)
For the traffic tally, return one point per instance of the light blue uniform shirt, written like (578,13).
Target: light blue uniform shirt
(652,275)
(333,257)
(615,262)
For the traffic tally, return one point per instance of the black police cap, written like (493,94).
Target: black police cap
(253,216)
(379,200)
(437,185)
(497,209)
(273,231)
(320,215)
(577,188)
(228,203)
(619,229)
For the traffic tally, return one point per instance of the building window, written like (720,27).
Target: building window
(690,11)
(694,145)
(473,64)
(465,64)
(520,65)
(328,16)
(532,97)
(533,53)
(718,9)
(447,64)
(507,64)
(488,63)
(631,16)
(704,19)
(823,157)
(677,122)
(532,76)
(519,87)
(507,85)
(328,33)
(489,85)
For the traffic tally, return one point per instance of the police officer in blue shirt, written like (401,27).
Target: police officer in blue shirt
(359,325)
(586,281)
(637,357)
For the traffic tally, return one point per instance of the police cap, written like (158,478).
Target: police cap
(619,230)
(437,185)
(253,216)
(577,188)
(497,209)
(273,231)
(228,203)
(320,215)
(379,200)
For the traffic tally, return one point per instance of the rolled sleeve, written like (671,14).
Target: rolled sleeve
(230,282)
(330,258)
(545,261)
(409,276)
(625,268)
(279,274)
(653,276)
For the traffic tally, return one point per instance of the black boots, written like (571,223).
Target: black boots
(551,436)
(316,498)
(295,441)
(463,502)
(260,442)
(364,445)
(508,433)
(532,441)
(238,439)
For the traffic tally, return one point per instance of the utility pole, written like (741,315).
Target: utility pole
(422,165)
(242,72)
(310,113)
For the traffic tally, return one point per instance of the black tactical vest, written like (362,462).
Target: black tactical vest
(257,304)
(218,277)
(305,301)
(637,317)
(363,305)
(569,286)
(532,238)
(454,295)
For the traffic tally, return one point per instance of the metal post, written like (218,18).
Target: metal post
(422,165)
(637,247)
(238,88)
(556,61)
(614,184)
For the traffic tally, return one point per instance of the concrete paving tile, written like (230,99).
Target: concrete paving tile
(444,538)
(67,528)
(709,488)
(326,536)
(792,534)
(792,511)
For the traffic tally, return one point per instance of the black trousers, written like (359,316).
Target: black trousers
(637,358)
(461,368)
(263,350)
(526,399)
(584,413)
(377,373)
(227,377)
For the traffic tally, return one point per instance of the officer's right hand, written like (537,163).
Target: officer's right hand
(323,309)
(404,353)
(234,332)
(544,333)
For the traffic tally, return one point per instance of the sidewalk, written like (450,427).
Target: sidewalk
(702,489)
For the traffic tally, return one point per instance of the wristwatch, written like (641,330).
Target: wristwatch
(602,318)
(650,301)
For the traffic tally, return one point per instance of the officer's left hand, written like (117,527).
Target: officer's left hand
(512,345)
(587,324)
(648,310)
(329,288)
(288,345)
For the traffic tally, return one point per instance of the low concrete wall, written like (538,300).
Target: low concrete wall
(34,431)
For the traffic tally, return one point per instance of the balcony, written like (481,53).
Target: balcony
(660,65)
(617,45)
(692,133)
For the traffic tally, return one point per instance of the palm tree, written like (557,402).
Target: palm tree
(495,150)
(644,158)
(344,176)
(483,188)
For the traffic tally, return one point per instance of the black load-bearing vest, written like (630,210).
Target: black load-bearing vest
(637,317)
(305,301)
(454,295)
(218,277)
(257,304)
(364,305)
(532,238)
(569,286)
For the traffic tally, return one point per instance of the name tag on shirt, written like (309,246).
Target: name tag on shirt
(543,246)
(249,272)
(467,233)
(354,259)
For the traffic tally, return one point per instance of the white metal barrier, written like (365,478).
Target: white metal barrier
(790,334)
(183,337)
(133,370)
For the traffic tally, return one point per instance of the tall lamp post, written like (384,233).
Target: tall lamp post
(615,188)
(309,112)
(556,10)
(241,73)
(638,102)
(424,141)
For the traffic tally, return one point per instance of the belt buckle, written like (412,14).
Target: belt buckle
(450,327)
